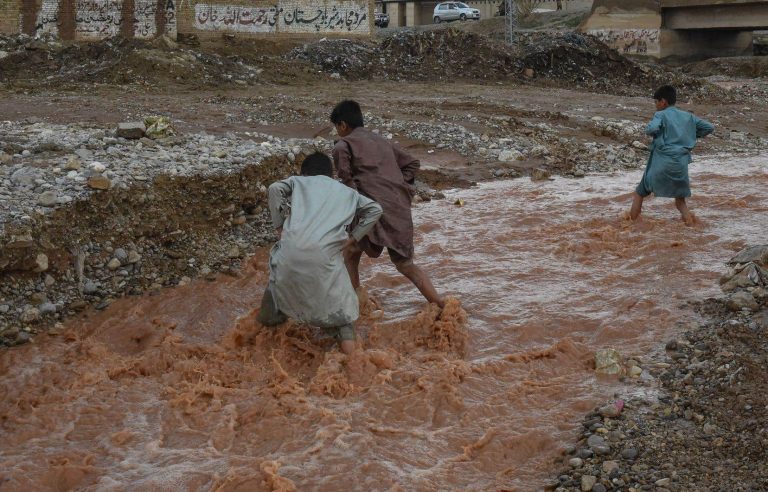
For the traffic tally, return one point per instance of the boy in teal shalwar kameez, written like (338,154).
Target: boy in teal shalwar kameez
(674,135)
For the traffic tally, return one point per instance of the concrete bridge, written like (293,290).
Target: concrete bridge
(683,29)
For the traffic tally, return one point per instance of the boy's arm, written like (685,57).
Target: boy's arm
(279,201)
(407,164)
(654,127)
(703,127)
(368,213)
(343,160)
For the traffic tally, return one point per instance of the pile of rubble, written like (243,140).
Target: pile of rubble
(553,58)
(28,62)
(441,54)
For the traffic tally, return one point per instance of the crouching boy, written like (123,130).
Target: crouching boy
(308,280)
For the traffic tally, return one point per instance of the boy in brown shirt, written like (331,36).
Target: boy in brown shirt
(384,173)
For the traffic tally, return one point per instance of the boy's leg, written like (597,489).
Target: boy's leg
(637,206)
(686,214)
(420,279)
(269,315)
(352,262)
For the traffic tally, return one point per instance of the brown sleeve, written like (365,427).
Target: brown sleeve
(407,164)
(342,159)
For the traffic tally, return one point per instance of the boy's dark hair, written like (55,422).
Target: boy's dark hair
(317,164)
(349,112)
(666,92)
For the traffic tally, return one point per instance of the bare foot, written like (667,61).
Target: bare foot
(625,215)
(690,219)
(348,346)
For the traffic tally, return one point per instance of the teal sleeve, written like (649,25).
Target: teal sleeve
(654,127)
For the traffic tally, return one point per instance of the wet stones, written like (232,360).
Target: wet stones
(598,445)
(742,300)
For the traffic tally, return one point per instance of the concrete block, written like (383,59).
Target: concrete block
(132,130)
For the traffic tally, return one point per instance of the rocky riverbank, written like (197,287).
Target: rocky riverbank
(89,216)
(704,426)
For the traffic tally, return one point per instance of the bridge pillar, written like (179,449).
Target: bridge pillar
(691,44)
(396,11)
(412,14)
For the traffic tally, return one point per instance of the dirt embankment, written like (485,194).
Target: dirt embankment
(126,241)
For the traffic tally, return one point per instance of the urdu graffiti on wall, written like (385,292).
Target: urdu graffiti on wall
(342,16)
(630,41)
(145,18)
(98,19)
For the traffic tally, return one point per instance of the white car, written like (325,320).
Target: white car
(450,11)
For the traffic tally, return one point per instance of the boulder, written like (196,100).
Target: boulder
(755,254)
(48,198)
(510,155)
(132,130)
(99,182)
(608,361)
(159,127)
(742,300)
(41,262)
(750,275)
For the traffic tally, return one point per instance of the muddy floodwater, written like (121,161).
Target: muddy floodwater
(185,391)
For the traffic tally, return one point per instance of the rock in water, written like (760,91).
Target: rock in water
(608,361)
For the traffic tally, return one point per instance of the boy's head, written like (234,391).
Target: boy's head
(317,164)
(346,116)
(665,96)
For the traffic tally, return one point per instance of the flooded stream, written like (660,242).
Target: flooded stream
(185,391)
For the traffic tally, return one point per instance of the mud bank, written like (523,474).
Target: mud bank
(164,231)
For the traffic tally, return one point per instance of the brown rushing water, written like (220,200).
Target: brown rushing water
(184,391)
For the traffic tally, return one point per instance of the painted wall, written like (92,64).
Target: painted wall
(87,20)
(629,26)
(284,17)
(631,41)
